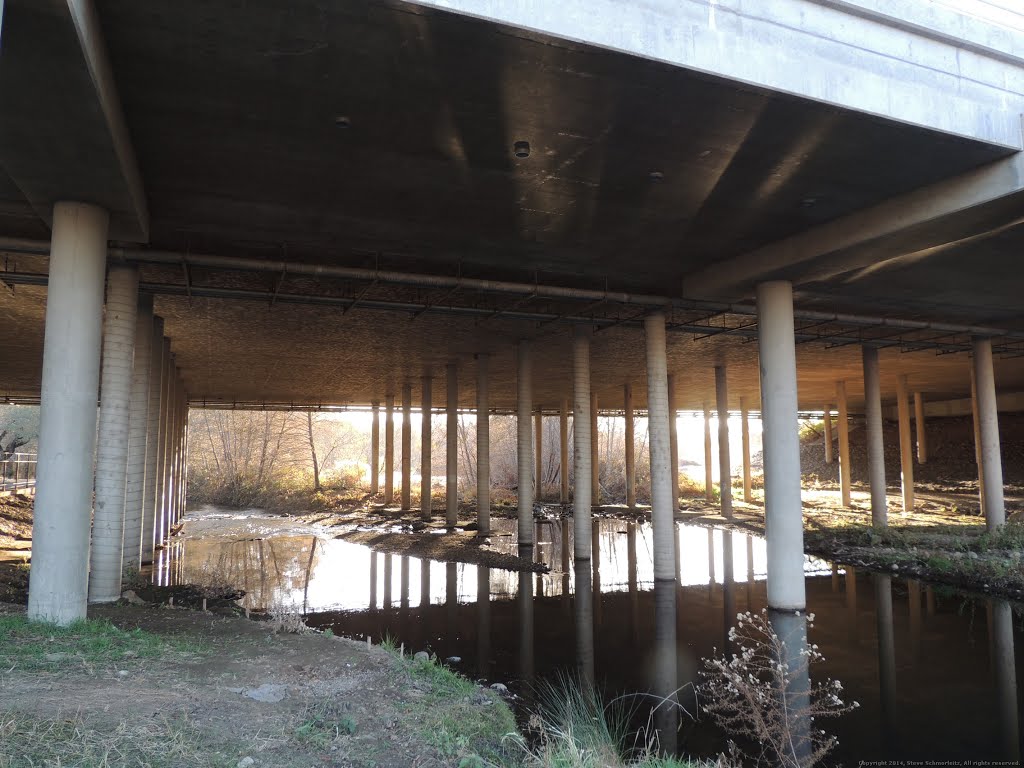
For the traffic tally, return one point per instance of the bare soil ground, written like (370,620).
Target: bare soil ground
(230,692)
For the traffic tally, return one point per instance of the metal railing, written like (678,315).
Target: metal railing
(17,470)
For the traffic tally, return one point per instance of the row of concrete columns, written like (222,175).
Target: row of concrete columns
(137,444)
(986,435)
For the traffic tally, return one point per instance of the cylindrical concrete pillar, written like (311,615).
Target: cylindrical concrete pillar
(906,444)
(843,421)
(627,396)
(876,444)
(748,488)
(452,452)
(157,371)
(582,456)
(659,432)
(922,436)
(563,451)
(163,479)
(483,444)
(138,428)
(595,452)
(724,462)
(538,454)
(827,419)
(988,428)
(709,480)
(67,419)
(524,446)
(406,446)
(426,438)
(783,510)
(673,435)
(389,449)
(184,452)
(375,450)
(977,441)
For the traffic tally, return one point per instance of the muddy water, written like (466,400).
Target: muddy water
(933,670)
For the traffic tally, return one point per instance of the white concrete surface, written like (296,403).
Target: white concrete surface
(138,432)
(873,431)
(581,464)
(988,427)
(660,448)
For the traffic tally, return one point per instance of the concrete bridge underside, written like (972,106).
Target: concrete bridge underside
(329,201)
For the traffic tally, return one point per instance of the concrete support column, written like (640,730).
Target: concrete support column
(538,454)
(524,434)
(166,413)
(112,439)
(748,492)
(375,450)
(659,431)
(157,371)
(977,441)
(389,449)
(844,444)
(724,462)
(67,426)
(483,444)
(183,496)
(595,453)
(161,443)
(563,451)
(426,459)
(406,446)
(627,396)
(451,501)
(988,429)
(922,436)
(906,444)
(582,455)
(783,510)
(876,444)
(709,481)
(829,454)
(138,428)
(673,436)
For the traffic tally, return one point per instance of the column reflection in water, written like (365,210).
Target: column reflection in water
(451,597)
(634,589)
(1005,670)
(666,675)
(850,583)
(388,565)
(886,654)
(711,557)
(750,572)
(483,621)
(914,601)
(526,664)
(424,583)
(595,546)
(404,595)
(791,629)
(584,623)
(373,580)
(728,588)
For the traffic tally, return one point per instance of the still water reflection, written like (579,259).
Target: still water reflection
(934,671)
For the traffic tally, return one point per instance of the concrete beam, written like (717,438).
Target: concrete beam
(911,227)
(1006,402)
(903,60)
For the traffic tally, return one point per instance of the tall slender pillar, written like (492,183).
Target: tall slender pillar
(659,431)
(582,457)
(426,460)
(138,427)
(375,450)
(112,440)
(783,510)
(563,451)
(538,454)
(876,444)
(673,436)
(906,444)
(161,448)
(483,444)
(406,446)
(922,434)
(184,451)
(157,372)
(843,419)
(748,492)
(389,449)
(827,420)
(627,396)
(67,418)
(724,462)
(977,441)
(524,443)
(452,454)
(709,471)
(595,453)
(988,428)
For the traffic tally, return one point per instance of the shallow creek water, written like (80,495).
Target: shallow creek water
(934,671)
